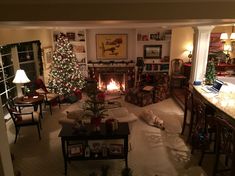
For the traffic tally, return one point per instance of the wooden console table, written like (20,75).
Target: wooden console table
(69,135)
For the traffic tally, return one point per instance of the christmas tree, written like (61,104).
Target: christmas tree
(210,72)
(65,76)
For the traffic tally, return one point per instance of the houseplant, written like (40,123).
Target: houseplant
(95,107)
(210,73)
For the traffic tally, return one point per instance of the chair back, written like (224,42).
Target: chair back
(200,138)
(188,99)
(177,66)
(40,84)
(11,109)
(225,144)
(225,136)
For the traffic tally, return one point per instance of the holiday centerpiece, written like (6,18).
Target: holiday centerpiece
(210,72)
(95,107)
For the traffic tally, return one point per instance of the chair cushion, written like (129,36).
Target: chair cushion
(51,96)
(28,118)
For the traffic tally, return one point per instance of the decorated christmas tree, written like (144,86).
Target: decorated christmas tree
(65,76)
(210,72)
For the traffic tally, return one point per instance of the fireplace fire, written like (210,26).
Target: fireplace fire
(112,85)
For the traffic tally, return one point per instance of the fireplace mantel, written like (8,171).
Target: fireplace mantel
(111,64)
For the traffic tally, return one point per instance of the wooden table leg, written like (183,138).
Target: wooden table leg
(126,151)
(64,155)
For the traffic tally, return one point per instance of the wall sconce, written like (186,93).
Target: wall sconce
(21,78)
(190,50)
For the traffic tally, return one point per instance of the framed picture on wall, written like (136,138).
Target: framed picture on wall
(47,56)
(215,43)
(153,51)
(111,46)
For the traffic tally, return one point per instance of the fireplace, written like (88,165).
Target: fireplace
(112,82)
(113,78)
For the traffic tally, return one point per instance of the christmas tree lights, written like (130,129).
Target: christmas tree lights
(65,76)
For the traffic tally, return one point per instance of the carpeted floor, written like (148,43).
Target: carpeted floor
(153,152)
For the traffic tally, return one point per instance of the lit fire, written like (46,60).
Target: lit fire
(112,86)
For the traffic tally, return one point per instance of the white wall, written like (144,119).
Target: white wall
(180,39)
(9,36)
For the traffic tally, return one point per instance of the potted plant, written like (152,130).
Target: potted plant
(210,73)
(95,107)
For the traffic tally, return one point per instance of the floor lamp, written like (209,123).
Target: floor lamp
(21,78)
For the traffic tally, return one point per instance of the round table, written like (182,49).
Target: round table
(34,101)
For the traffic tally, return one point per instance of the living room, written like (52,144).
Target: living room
(14,32)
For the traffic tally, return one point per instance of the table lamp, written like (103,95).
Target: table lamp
(21,78)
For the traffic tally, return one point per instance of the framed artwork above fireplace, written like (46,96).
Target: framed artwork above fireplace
(111,46)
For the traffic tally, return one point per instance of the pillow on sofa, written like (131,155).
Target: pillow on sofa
(75,114)
(148,88)
(118,112)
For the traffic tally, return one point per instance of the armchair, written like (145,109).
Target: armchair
(49,97)
(22,119)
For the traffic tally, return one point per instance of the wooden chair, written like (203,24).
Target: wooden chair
(225,145)
(23,119)
(188,106)
(49,97)
(203,128)
(177,75)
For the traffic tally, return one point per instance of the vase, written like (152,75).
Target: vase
(95,123)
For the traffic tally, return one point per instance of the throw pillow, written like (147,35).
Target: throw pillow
(148,88)
(119,112)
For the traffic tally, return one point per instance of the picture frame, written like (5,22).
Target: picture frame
(111,46)
(116,149)
(153,51)
(47,56)
(216,44)
(75,150)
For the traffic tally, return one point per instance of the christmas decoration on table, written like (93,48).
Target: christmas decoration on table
(65,75)
(210,72)
(94,107)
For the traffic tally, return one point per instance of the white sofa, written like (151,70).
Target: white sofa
(121,114)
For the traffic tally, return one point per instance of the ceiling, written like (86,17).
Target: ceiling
(114,24)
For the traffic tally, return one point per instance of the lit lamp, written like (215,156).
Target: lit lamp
(21,78)
(190,50)
(223,37)
(227,50)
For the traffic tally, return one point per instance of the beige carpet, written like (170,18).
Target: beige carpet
(153,152)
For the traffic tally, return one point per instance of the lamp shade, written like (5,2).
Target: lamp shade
(224,36)
(20,77)
(232,36)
